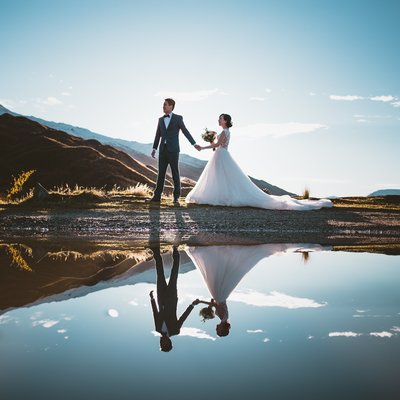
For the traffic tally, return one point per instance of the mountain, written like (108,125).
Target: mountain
(60,158)
(4,110)
(190,167)
(385,192)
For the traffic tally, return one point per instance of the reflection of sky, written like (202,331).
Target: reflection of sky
(274,299)
(284,303)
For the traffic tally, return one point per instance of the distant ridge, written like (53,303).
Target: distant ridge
(385,192)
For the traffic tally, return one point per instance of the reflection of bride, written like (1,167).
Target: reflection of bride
(222,268)
(223,183)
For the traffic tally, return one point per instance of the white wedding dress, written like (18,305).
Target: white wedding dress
(223,183)
(223,267)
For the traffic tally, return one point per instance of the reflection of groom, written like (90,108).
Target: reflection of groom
(165,320)
(167,132)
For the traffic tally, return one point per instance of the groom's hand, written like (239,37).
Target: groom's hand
(197,147)
(153,153)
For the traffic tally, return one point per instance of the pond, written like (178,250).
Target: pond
(301,321)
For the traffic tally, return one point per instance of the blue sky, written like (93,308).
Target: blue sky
(312,86)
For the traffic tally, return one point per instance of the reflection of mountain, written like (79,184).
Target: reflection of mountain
(42,272)
(190,167)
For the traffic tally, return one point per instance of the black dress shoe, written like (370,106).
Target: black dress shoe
(152,200)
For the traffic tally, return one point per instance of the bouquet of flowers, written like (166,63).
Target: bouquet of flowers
(209,136)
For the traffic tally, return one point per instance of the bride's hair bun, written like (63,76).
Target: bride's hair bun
(227,119)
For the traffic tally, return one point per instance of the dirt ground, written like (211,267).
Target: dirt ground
(347,223)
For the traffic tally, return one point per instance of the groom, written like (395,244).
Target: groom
(168,129)
(166,321)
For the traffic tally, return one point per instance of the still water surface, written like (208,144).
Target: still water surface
(306,322)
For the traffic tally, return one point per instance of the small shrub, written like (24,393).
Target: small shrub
(18,183)
(306,193)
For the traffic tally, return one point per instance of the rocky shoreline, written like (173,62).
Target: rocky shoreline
(128,219)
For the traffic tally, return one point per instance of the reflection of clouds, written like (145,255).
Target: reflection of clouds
(36,315)
(345,334)
(195,332)
(266,340)
(275,299)
(254,331)
(113,313)
(371,316)
(62,331)
(6,319)
(383,334)
(133,303)
(46,323)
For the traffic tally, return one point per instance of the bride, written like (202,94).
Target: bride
(223,183)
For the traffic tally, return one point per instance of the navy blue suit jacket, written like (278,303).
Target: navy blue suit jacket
(170,137)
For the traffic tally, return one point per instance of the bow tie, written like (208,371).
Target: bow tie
(167,116)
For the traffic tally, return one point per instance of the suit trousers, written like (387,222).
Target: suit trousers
(166,158)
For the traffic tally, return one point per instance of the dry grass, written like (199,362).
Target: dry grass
(390,203)
(391,249)
(139,190)
(77,191)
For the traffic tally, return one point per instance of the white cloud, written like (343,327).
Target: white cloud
(188,96)
(383,334)
(197,333)
(266,340)
(274,299)
(395,104)
(312,94)
(385,99)
(7,103)
(345,334)
(254,331)
(268,90)
(66,93)
(362,120)
(345,98)
(277,130)
(396,329)
(50,101)
(257,98)
(46,323)
(372,116)
(319,180)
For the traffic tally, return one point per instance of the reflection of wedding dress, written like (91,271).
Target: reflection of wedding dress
(223,267)
(223,183)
